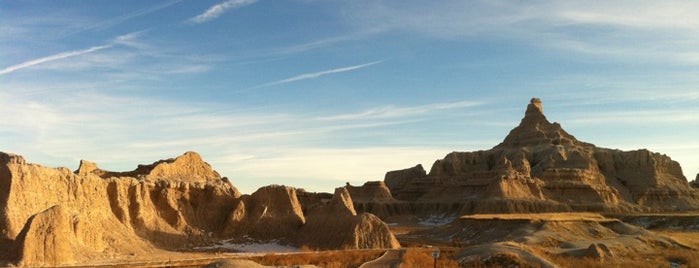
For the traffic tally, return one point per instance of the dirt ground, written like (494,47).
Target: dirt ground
(487,240)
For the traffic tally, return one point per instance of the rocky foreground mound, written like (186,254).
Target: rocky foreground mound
(539,167)
(536,240)
(54,216)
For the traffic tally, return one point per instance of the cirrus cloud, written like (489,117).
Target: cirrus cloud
(217,10)
(54,57)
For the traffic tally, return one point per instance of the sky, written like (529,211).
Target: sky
(313,94)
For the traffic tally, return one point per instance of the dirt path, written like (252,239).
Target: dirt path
(390,259)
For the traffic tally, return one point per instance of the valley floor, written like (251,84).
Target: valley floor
(486,240)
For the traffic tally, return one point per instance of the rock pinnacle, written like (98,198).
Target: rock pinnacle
(535,129)
(536,103)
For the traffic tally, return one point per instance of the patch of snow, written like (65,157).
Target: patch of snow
(251,247)
(436,220)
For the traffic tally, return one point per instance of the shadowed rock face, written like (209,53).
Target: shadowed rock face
(361,230)
(396,180)
(539,167)
(314,220)
(695,182)
(270,212)
(372,191)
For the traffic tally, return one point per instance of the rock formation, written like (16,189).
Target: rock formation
(270,212)
(539,167)
(314,220)
(372,191)
(337,225)
(695,182)
(55,216)
(397,179)
(52,216)
(167,205)
(598,251)
(48,238)
(188,167)
(527,236)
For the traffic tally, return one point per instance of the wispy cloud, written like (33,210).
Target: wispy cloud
(218,10)
(325,42)
(108,23)
(314,75)
(651,14)
(249,146)
(127,40)
(392,111)
(70,125)
(447,19)
(657,31)
(122,60)
(656,117)
(55,57)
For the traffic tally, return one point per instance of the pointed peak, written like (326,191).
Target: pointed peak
(86,167)
(535,105)
(189,167)
(342,201)
(535,129)
(535,112)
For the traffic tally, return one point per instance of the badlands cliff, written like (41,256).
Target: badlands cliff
(539,167)
(54,216)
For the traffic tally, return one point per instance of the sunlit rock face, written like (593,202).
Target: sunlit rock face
(54,216)
(539,167)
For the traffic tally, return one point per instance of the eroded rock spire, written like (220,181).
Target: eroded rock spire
(535,129)
(535,103)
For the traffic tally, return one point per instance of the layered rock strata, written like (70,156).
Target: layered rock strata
(539,167)
(52,216)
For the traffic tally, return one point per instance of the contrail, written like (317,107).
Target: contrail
(317,74)
(51,58)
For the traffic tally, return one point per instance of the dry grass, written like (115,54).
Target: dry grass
(420,257)
(687,238)
(662,258)
(327,259)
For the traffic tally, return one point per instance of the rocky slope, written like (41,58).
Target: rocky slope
(531,240)
(321,230)
(53,216)
(539,167)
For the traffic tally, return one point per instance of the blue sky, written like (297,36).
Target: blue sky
(314,94)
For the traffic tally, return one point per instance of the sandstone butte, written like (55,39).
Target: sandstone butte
(539,167)
(55,216)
